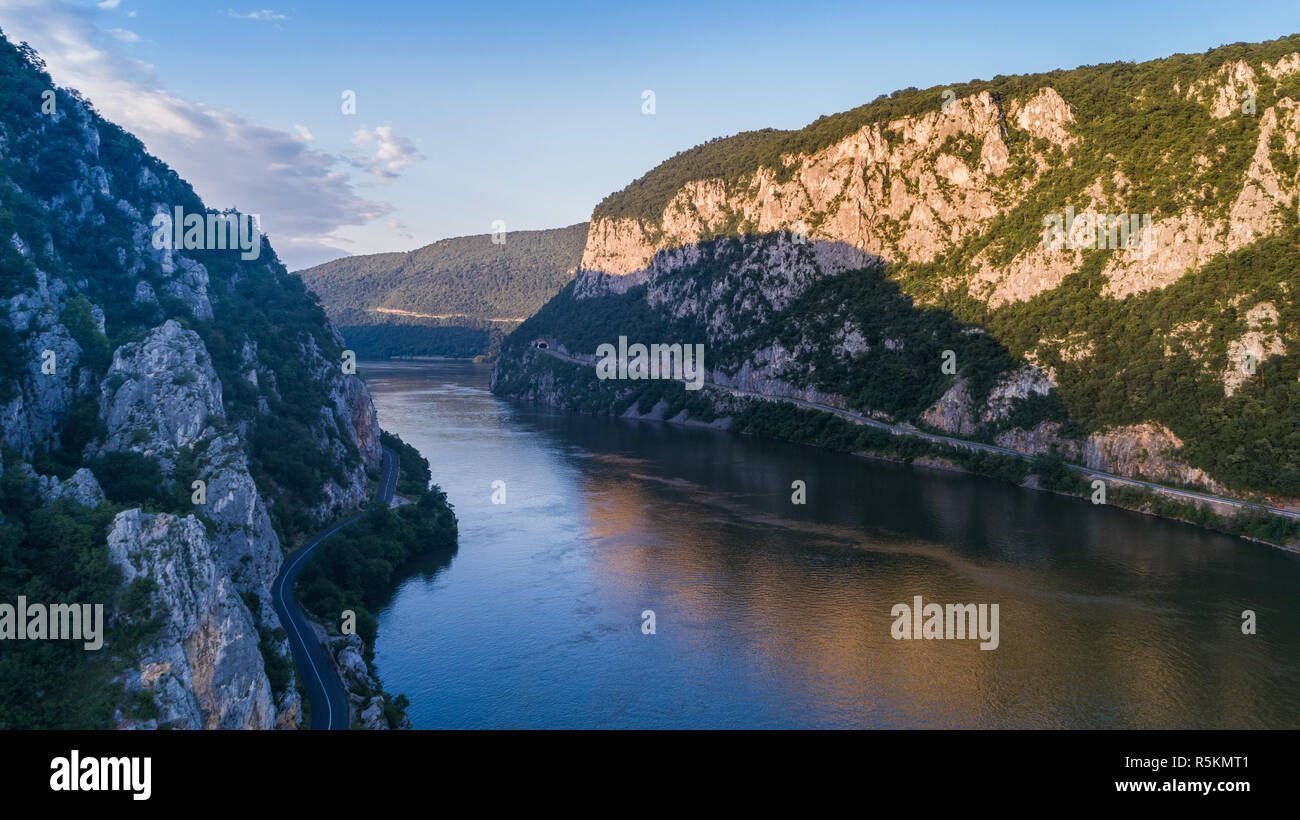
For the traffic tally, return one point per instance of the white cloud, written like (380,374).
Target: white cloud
(109,4)
(304,198)
(264,14)
(391,153)
(304,132)
(124,35)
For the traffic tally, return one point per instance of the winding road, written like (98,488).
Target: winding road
(908,430)
(329,703)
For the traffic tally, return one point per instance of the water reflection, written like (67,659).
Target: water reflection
(776,614)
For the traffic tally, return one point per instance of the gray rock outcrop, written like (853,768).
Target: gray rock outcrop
(204,668)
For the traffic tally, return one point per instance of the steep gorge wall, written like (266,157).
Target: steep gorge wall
(120,347)
(950,201)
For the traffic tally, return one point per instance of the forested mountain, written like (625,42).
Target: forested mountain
(171,415)
(446,298)
(1111,254)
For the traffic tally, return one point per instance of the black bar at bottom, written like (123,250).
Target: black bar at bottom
(335,770)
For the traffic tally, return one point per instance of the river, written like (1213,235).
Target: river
(773,614)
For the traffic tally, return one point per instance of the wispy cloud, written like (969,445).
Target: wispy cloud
(303,195)
(400,229)
(109,4)
(124,35)
(382,153)
(264,14)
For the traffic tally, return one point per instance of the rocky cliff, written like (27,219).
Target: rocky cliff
(197,395)
(1099,262)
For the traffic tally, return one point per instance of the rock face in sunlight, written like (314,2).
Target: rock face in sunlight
(1095,254)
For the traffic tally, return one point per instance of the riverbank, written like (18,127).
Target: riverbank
(874,438)
(349,577)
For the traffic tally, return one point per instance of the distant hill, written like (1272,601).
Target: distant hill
(445,299)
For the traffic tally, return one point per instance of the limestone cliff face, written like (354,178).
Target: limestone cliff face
(204,669)
(952,196)
(40,400)
(919,188)
(957,412)
(161,395)
(358,678)
(347,418)
(897,190)
(81,488)
(1146,451)
(125,348)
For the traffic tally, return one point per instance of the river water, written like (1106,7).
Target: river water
(772,614)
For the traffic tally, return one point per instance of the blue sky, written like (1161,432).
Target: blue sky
(530,113)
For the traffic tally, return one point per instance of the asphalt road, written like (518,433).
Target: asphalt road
(329,703)
(908,430)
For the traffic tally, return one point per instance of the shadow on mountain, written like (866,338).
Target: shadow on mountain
(827,311)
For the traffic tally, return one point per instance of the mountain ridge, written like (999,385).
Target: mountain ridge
(845,269)
(453,297)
